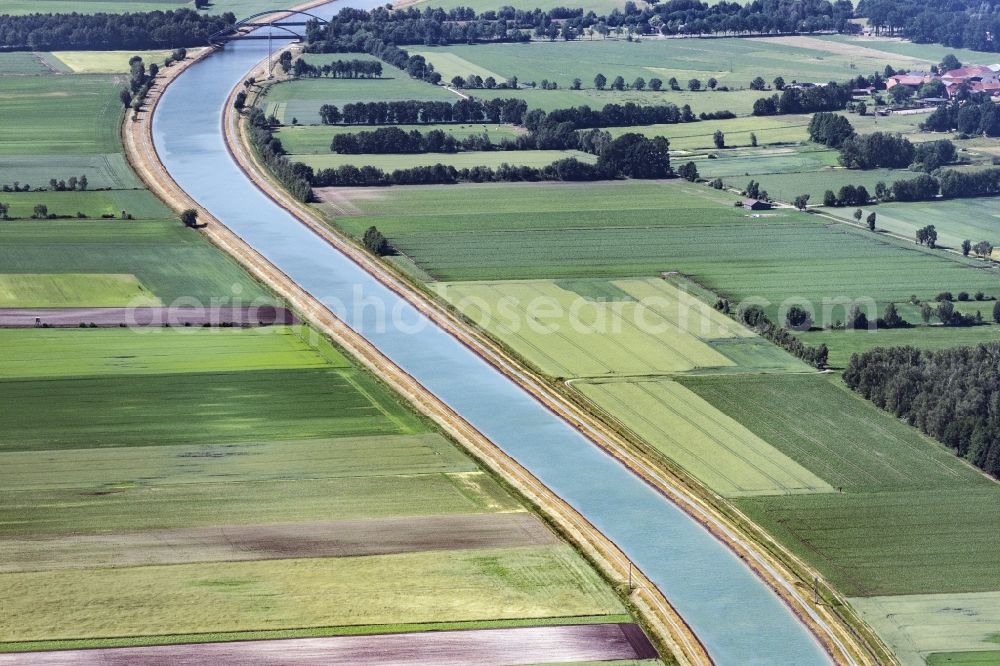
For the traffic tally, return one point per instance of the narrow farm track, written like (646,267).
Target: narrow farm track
(839,640)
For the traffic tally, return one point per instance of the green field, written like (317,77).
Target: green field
(844,343)
(140,204)
(495,584)
(467,160)
(955,220)
(597,328)
(832,432)
(733,62)
(716,449)
(42,103)
(300,99)
(316,140)
(239,7)
(67,290)
(123,351)
(737,131)
(20,63)
(695,230)
(916,626)
(169,260)
(107,62)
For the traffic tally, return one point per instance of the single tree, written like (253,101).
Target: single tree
(871,221)
(41,212)
(983,249)
(126,97)
(946,312)
(688,171)
(996,312)
(829,198)
(712,83)
(655,84)
(891,318)
(4,209)
(694,85)
(240,102)
(926,313)
(639,83)
(375,242)
(758,83)
(856,318)
(857,214)
(618,83)
(802,201)
(753,140)
(966,247)
(600,81)
(576,84)
(778,83)
(189,218)
(719,139)
(798,319)
(673,83)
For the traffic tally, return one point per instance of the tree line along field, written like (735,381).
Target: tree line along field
(305,140)
(460,160)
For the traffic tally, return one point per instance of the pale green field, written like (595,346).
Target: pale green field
(30,353)
(21,63)
(721,452)
(915,626)
(594,328)
(140,204)
(316,140)
(109,62)
(66,290)
(416,587)
(844,343)
(390,162)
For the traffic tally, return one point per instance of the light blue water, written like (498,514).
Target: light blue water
(737,617)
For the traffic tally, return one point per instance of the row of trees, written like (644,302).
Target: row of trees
(754,317)
(975,117)
(463,25)
(413,112)
(629,114)
(830,97)
(628,156)
(110,32)
(548,136)
(955,24)
(952,395)
(878,149)
(338,69)
(294,176)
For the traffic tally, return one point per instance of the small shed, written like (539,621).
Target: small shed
(756,204)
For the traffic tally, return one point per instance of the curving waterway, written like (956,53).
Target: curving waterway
(738,618)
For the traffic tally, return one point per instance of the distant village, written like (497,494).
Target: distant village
(972,78)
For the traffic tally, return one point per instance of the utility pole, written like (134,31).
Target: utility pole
(270,32)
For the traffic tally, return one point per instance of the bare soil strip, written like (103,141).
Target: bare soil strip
(265,315)
(486,647)
(230,543)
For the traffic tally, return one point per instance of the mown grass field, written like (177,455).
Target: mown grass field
(733,62)
(72,290)
(389,162)
(171,261)
(916,626)
(716,449)
(586,328)
(317,140)
(301,98)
